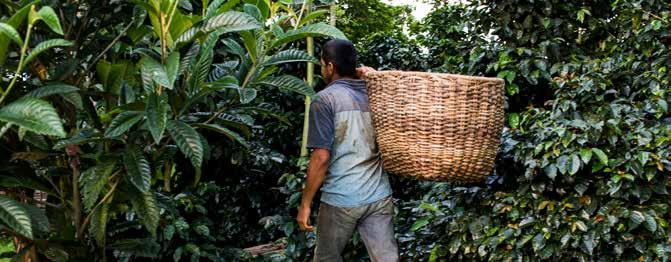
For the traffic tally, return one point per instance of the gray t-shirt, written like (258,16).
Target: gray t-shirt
(341,121)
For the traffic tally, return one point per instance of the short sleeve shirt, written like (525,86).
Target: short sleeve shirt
(341,122)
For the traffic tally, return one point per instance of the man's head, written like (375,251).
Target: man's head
(338,60)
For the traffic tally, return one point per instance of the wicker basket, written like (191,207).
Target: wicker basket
(434,126)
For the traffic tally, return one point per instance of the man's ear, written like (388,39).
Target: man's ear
(331,68)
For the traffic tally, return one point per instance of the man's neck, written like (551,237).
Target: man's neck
(338,77)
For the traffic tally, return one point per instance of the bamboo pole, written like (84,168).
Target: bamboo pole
(309,79)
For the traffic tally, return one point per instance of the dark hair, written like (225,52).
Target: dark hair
(342,54)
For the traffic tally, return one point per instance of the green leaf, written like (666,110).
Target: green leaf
(157,114)
(253,11)
(9,31)
(146,208)
(93,181)
(247,95)
(601,156)
(217,7)
(539,242)
(313,15)
(551,171)
(98,225)
(585,155)
(513,120)
(172,68)
(562,164)
(122,122)
(82,137)
(249,40)
(34,115)
(575,164)
(581,225)
(230,21)
(15,217)
(38,217)
(156,71)
(49,17)
(187,140)
(52,90)
(288,56)
(137,168)
(635,219)
(225,131)
(290,83)
(419,223)
(73,98)
(650,222)
(318,29)
(581,15)
(44,46)
(226,82)
(16,20)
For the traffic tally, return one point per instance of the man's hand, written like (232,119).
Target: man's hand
(319,162)
(361,71)
(303,219)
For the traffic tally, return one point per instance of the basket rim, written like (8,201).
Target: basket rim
(418,73)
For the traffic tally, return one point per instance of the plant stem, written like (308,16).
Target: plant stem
(20,67)
(306,117)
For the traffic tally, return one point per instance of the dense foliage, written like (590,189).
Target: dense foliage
(583,169)
(165,129)
(120,119)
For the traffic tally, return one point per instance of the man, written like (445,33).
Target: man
(356,193)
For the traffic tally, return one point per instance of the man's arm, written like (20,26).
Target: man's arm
(319,163)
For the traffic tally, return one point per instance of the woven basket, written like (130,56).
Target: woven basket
(434,126)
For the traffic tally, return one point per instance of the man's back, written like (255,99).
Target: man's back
(341,121)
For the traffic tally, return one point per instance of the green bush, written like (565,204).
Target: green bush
(582,174)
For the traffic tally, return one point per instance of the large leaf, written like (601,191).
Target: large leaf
(319,29)
(187,140)
(50,18)
(146,208)
(225,131)
(38,217)
(226,22)
(34,115)
(253,11)
(291,55)
(98,225)
(172,67)
(156,71)
(313,15)
(9,31)
(157,114)
(52,90)
(93,181)
(249,39)
(603,158)
(230,21)
(73,98)
(122,122)
(188,59)
(290,83)
(15,217)
(137,168)
(44,46)
(246,95)
(82,137)
(16,20)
